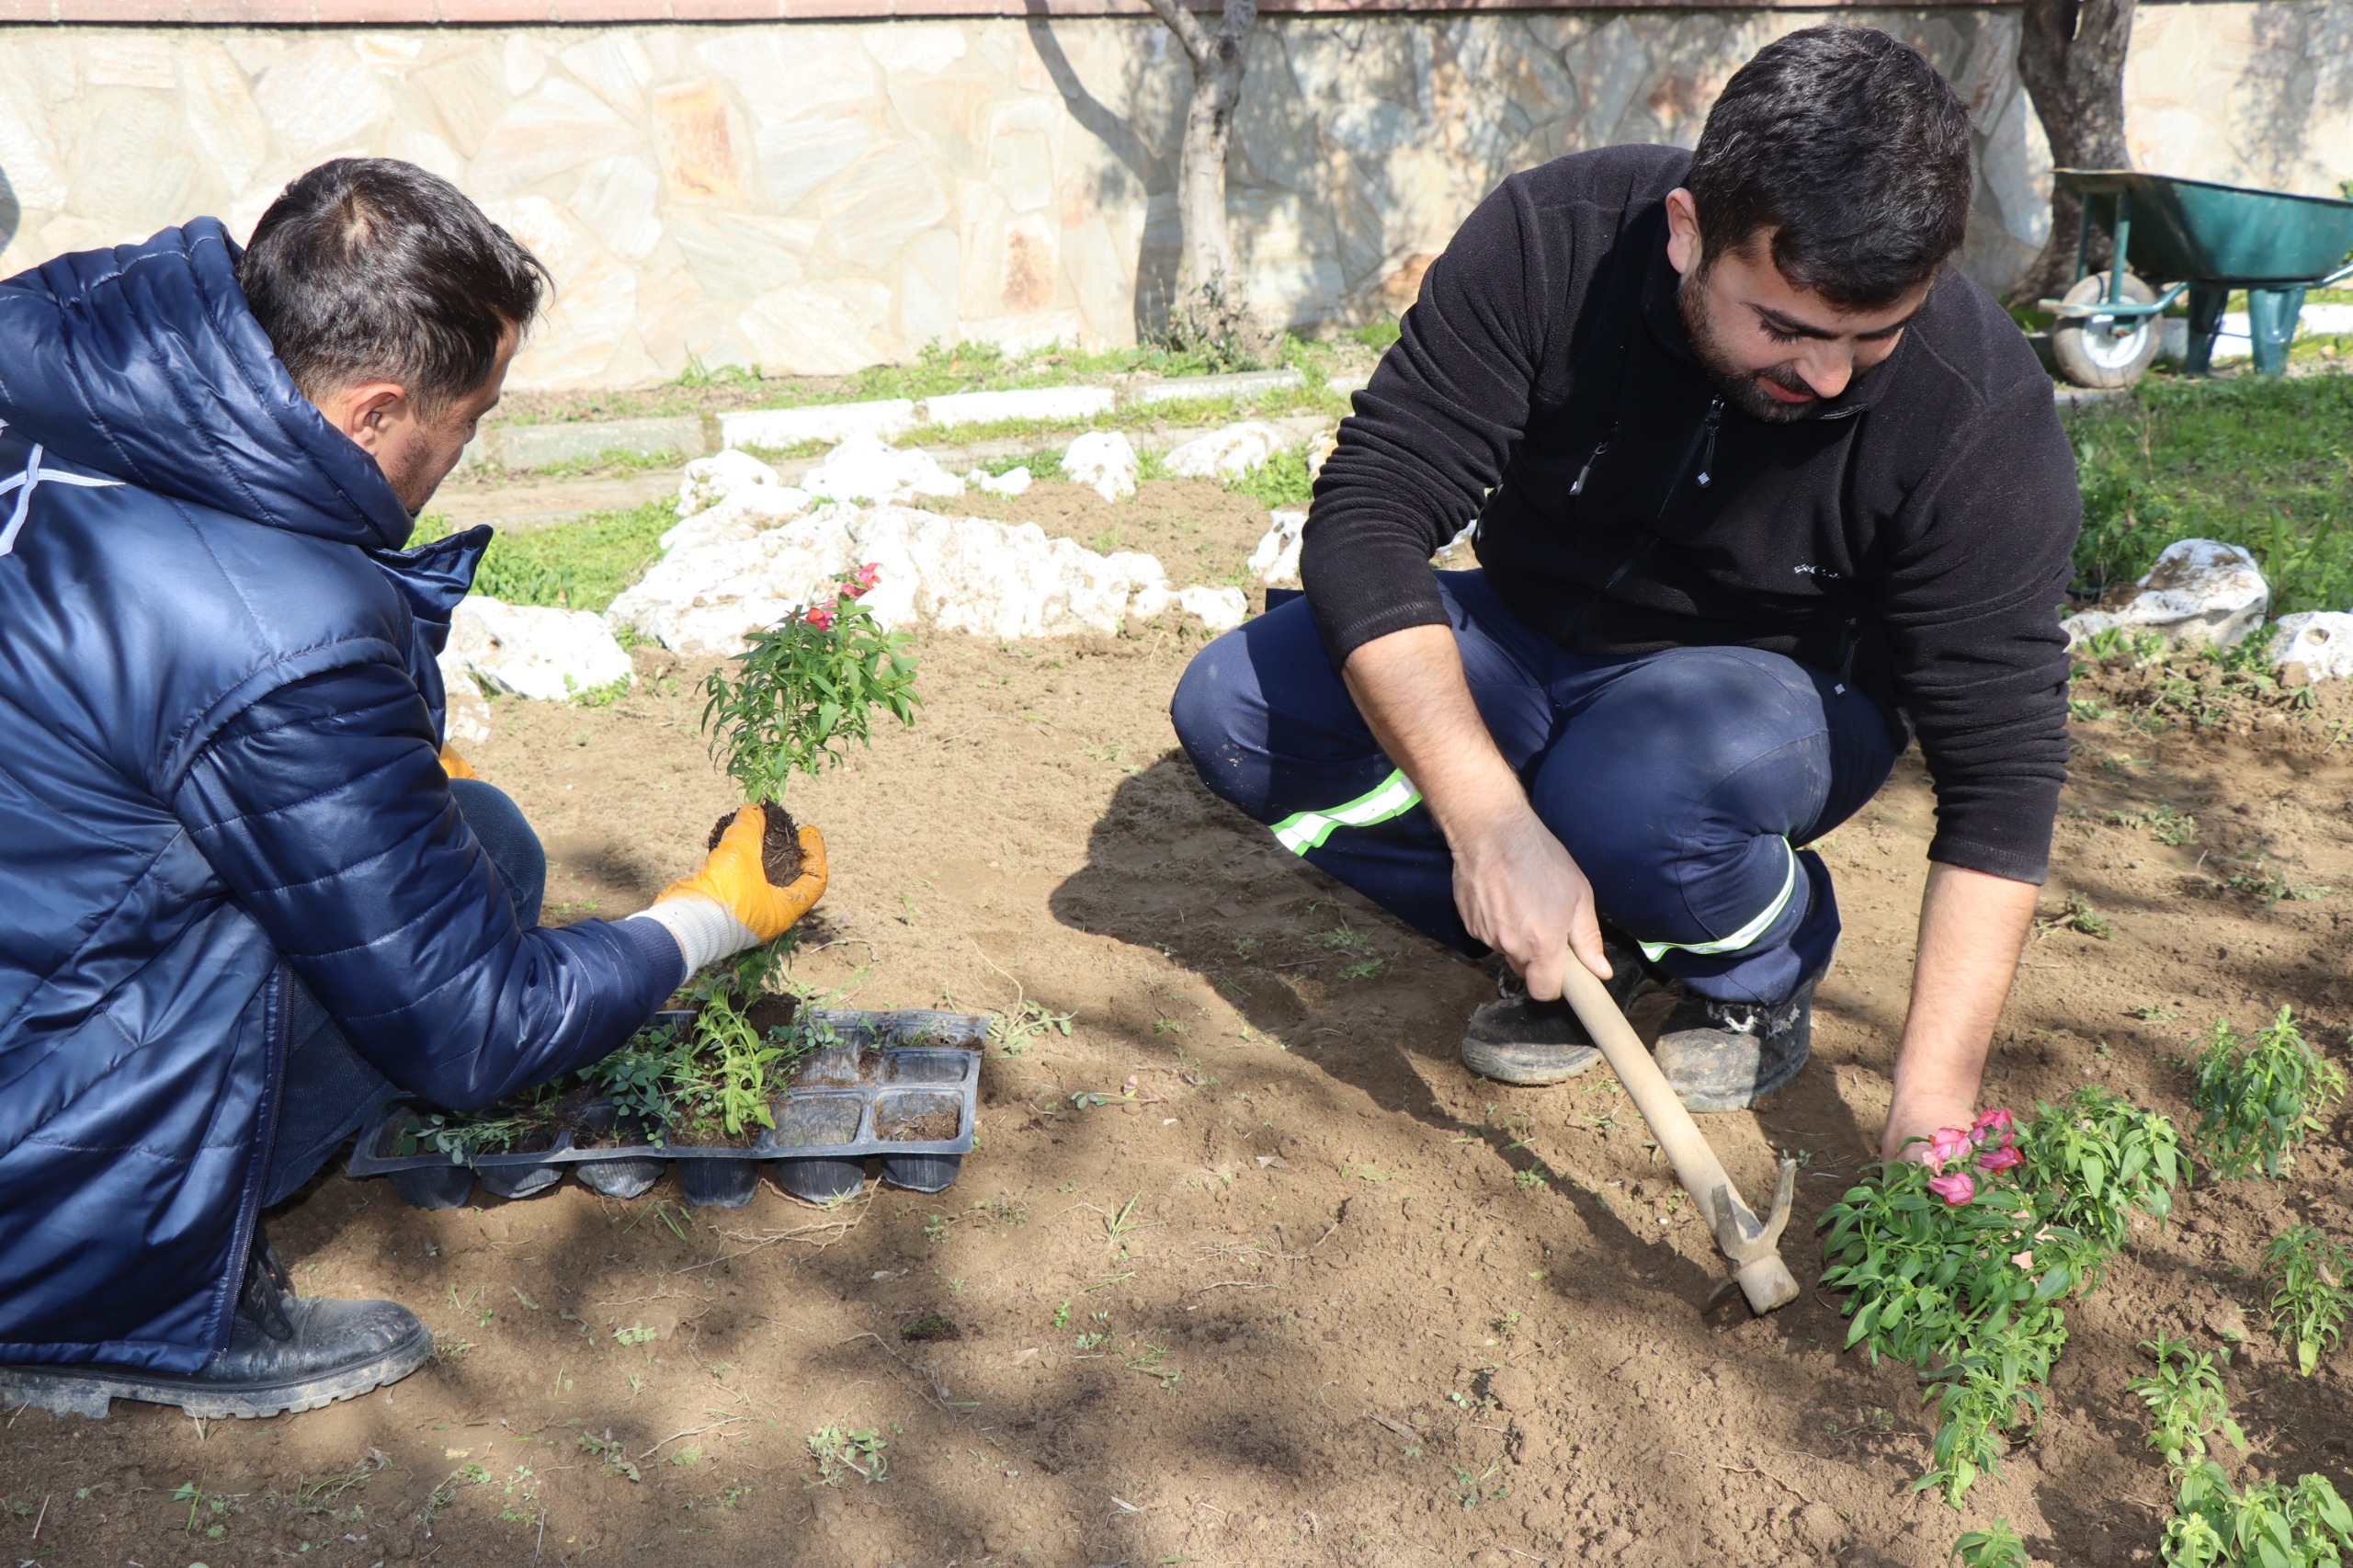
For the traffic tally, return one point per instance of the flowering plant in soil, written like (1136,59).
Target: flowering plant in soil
(805,686)
(1957,1264)
(2259,1096)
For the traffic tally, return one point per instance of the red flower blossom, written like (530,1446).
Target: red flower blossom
(1956,1187)
(1999,1159)
(822,618)
(1949,1144)
(1995,1121)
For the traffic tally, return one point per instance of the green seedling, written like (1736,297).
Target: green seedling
(2259,1096)
(840,1453)
(2076,914)
(206,1510)
(1529,1180)
(1997,1548)
(1470,1489)
(806,688)
(2269,1524)
(2306,1271)
(1028,1024)
(2271,886)
(2186,1403)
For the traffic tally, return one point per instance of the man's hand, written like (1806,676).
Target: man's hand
(1971,928)
(1518,891)
(735,877)
(1515,886)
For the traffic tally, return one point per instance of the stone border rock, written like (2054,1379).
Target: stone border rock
(523,447)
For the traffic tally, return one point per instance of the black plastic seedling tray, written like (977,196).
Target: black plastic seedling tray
(826,1127)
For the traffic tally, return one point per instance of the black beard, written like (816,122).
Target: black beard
(1744,389)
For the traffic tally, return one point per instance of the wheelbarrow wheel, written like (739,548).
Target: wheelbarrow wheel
(2106,351)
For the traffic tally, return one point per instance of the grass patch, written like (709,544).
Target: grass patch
(580,565)
(2257,461)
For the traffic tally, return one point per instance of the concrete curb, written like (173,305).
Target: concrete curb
(528,447)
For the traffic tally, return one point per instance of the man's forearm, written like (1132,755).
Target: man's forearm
(1972,927)
(1410,688)
(1515,886)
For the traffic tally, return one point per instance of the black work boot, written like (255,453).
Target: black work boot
(286,1352)
(1517,1040)
(1731,1055)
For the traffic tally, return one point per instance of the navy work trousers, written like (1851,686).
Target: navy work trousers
(331,1090)
(1682,782)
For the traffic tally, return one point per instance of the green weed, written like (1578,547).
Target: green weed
(576,565)
(2076,914)
(840,1452)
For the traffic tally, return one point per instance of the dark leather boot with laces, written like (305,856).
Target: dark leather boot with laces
(1731,1055)
(286,1352)
(1516,1040)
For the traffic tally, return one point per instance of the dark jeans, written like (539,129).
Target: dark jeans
(331,1091)
(1680,782)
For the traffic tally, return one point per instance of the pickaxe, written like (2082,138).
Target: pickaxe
(1751,1244)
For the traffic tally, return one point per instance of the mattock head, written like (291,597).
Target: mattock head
(1756,1256)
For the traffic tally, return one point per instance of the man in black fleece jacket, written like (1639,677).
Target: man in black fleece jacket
(1761,489)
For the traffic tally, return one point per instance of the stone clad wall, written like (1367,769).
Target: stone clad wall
(816,196)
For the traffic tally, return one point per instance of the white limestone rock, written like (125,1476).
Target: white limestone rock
(708,481)
(1219,609)
(467,717)
(2313,644)
(546,654)
(1029,402)
(1319,450)
(1104,462)
(1012,481)
(863,469)
(1276,561)
(2199,594)
(739,515)
(774,427)
(1003,580)
(1228,453)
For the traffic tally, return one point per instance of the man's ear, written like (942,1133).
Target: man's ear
(1682,231)
(366,412)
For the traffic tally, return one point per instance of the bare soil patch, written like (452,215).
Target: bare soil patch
(1287,1294)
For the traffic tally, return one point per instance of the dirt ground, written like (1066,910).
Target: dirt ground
(1300,1290)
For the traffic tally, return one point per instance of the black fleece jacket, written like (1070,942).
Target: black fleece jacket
(1914,533)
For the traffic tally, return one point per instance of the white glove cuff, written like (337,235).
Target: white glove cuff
(705,929)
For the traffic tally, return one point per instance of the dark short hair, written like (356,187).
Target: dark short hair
(367,269)
(1849,146)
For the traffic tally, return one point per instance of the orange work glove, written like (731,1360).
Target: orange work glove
(455,767)
(734,880)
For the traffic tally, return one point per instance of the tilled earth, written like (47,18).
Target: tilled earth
(1298,1289)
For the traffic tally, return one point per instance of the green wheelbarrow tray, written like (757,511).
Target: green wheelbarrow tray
(2206,240)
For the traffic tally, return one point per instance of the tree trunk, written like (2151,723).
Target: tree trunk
(2071,57)
(1209,300)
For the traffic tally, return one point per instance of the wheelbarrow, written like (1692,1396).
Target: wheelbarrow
(2195,237)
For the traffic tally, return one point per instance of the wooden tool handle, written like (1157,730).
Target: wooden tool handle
(1764,1280)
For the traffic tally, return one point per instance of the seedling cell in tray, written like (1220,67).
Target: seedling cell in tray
(897,1087)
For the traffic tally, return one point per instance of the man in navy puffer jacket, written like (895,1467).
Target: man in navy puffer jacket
(239,902)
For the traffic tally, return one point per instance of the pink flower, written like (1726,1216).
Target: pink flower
(858,583)
(1949,1144)
(1995,1121)
(1999,1159)
(1955,1188)
(868,575)
(822,618)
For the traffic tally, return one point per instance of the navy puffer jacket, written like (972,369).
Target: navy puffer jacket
(218,716)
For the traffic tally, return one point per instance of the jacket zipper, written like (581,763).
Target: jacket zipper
(1707,452)
(1851,639)
(1576,486)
